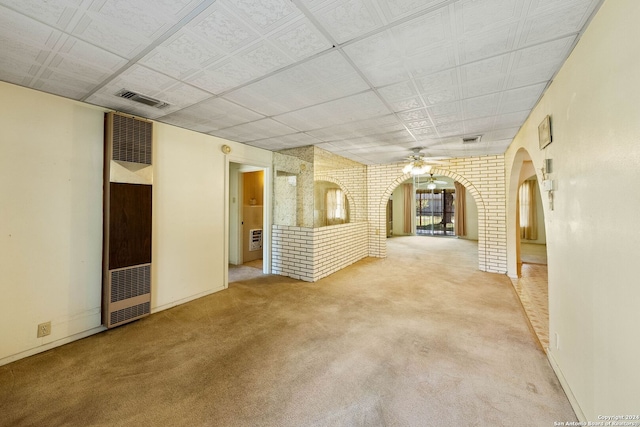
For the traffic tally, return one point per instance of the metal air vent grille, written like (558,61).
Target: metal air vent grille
(131,139)
(471,140)
(143,99)
(130,282)
(130,313)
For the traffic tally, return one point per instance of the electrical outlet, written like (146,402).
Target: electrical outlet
(44,329)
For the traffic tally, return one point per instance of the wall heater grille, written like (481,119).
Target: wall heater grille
(130,282)
(255,239)
(131,139)
(129,313)
(128,295)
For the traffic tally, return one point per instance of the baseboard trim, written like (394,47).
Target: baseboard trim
(66,340)
(51,345)
(185,300)
(565,386)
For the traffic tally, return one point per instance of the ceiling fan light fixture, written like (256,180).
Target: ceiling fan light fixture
(431,186)
(416,168)
(420,170)
(417,164)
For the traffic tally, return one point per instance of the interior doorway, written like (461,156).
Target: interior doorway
(247,219)
(531,283)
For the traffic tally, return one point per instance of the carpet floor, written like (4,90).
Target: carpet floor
(420,338)
(248,270)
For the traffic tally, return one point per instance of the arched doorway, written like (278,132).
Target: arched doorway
(432,206)
(471,191)
(527,253)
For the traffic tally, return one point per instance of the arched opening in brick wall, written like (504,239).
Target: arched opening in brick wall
(379,245)
(353,208)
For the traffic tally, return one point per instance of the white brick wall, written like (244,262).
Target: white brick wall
(292,252)
(339,246)
(484,179)
(310,254)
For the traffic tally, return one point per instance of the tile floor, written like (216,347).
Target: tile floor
(532,289)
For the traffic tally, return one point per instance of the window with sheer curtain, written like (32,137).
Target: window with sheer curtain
(336,206)
(528,220)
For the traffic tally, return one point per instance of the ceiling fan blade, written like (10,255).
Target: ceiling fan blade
(430,161)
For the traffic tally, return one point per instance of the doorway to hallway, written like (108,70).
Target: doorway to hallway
(247,215)
(532,284)
(532,288)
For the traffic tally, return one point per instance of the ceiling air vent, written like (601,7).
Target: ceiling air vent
(471,139)
(127,94)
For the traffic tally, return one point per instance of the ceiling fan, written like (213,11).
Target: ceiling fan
(430,183)
(419,164)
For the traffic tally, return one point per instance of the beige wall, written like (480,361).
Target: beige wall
(51,217)
(398,211)
(593,239)
(471,217)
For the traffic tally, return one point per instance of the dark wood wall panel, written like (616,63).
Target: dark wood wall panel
(129,225)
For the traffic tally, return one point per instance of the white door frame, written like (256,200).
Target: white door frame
(267,167)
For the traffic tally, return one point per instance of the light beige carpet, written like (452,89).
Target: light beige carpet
(421,338)
(246,271)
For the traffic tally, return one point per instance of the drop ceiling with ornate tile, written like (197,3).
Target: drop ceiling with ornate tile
(366,79)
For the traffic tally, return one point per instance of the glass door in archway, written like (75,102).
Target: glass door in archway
(435,210)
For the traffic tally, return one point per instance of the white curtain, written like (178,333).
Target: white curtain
(528,217)
(336,205)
